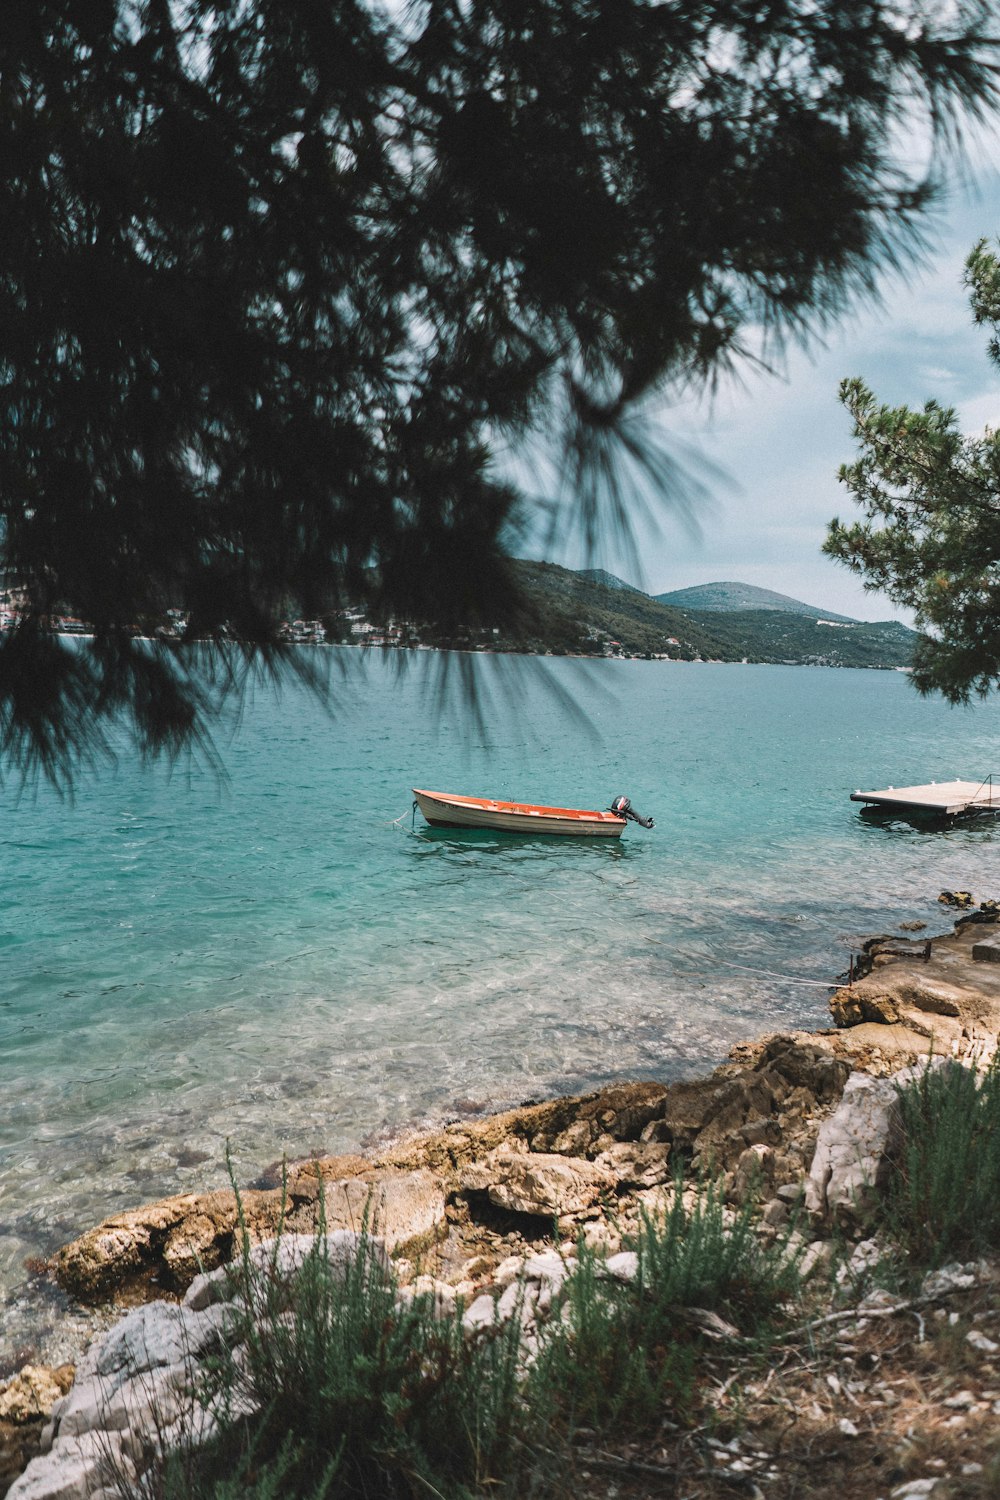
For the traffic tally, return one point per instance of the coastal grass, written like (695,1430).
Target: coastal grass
(943,1199)
(621,1355)
(332,1387)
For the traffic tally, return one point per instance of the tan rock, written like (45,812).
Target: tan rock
(636,1164)
(629,1106)
(753,1174)
(945,998)
(192,1244)
(33,1392)
(574,1140)
(171,1241)
(402,1208)
(545,1185)
(809,1069)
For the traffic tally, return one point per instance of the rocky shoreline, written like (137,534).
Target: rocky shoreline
(797,1118)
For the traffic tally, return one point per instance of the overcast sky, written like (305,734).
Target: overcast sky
(782,440)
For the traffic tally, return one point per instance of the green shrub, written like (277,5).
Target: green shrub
(227,1472)
(943,1200)
(597,1366)
(709,1257)
(621,1354)
(360,1396)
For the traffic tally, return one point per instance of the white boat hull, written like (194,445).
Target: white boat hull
(443,810)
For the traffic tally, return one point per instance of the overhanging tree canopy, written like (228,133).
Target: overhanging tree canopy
(931,535)
(277,279)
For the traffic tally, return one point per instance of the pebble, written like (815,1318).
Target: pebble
(953,1278)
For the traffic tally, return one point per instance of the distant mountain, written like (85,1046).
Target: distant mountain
(608,580)
(725,598)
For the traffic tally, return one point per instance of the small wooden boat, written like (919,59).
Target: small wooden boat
(445,810)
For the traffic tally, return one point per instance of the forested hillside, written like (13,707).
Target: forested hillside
(576,614)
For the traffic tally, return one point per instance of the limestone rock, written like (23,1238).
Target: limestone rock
(548,1266)
(281,1259)
(76,1470)
(441,1298)
(155,1336)
(539,1183)
(508,1270)
(817,1259)
(621,1267)
(108,1404)
(481,1314)
(133,1383)
(948,998)
(637,1164)
(955,1277)
(599,1236)
(850,1164)
(175,1239)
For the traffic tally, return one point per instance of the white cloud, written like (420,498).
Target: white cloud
(783,440)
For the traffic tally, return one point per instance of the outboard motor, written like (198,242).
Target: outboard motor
(622,808)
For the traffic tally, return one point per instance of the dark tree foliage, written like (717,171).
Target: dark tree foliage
(278,279)
(931,534)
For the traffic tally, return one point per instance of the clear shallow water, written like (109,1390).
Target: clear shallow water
(278,963)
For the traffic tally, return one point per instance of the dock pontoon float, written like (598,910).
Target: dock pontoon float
(949,799)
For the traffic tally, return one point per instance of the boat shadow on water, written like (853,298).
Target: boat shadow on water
(493,840)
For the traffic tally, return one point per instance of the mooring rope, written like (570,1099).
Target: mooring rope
(986,779)
(820,984)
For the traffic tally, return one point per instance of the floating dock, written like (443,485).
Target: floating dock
(946,798)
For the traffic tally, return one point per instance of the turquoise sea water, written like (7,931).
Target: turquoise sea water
(284,963)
